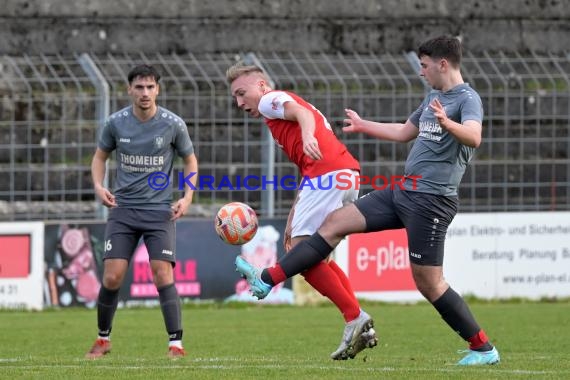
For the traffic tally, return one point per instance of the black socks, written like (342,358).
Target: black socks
(457,315)
(170,305)
(305,255)
(106,306)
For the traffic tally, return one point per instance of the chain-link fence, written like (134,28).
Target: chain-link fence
(52,106)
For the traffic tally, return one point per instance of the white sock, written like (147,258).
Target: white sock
(175,343)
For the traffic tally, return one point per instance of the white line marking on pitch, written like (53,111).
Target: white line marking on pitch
(193,366)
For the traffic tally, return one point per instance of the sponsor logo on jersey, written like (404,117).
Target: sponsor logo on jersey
(125,140)
(167,252)
(133,159)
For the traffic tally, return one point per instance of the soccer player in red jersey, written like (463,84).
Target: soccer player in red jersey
(307,139)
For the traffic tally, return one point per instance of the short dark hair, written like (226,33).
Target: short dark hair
(442,47)
(143,71)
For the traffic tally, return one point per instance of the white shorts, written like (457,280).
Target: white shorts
(326,195)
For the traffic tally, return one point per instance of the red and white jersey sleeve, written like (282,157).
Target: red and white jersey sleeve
(287,134)
(272,104)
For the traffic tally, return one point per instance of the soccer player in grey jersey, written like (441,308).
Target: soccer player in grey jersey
(447,128)
(145,138)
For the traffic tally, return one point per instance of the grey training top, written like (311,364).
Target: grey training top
(436,155)
(144,148)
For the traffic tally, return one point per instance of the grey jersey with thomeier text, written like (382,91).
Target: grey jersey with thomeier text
(144,148)
(436,156)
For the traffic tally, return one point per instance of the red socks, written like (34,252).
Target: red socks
(331,284)
(478,340)
(329,280)
(342,277)
(276,273)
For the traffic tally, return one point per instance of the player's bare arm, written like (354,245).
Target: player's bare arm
(386,131)
(306,120)
(98,170)
(180,207)
(468,133)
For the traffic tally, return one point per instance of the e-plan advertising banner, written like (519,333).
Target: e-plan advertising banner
(488,255)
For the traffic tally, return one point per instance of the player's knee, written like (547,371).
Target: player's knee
(112,280)
(162,276)
(431,289)
(330,230)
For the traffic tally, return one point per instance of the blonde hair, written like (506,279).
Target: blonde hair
(241,69)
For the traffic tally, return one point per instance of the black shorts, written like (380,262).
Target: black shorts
(426,218)
(125,227)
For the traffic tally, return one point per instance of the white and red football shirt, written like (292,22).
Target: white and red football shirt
(287,134)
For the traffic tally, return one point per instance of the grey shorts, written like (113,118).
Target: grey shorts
(125,227)
(425,217)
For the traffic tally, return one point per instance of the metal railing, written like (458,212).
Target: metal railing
(51,108)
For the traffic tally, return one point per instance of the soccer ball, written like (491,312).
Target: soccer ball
(236,223)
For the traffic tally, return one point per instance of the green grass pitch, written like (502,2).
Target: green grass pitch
(284,342)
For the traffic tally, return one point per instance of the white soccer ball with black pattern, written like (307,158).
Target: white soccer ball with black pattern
(236,223)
